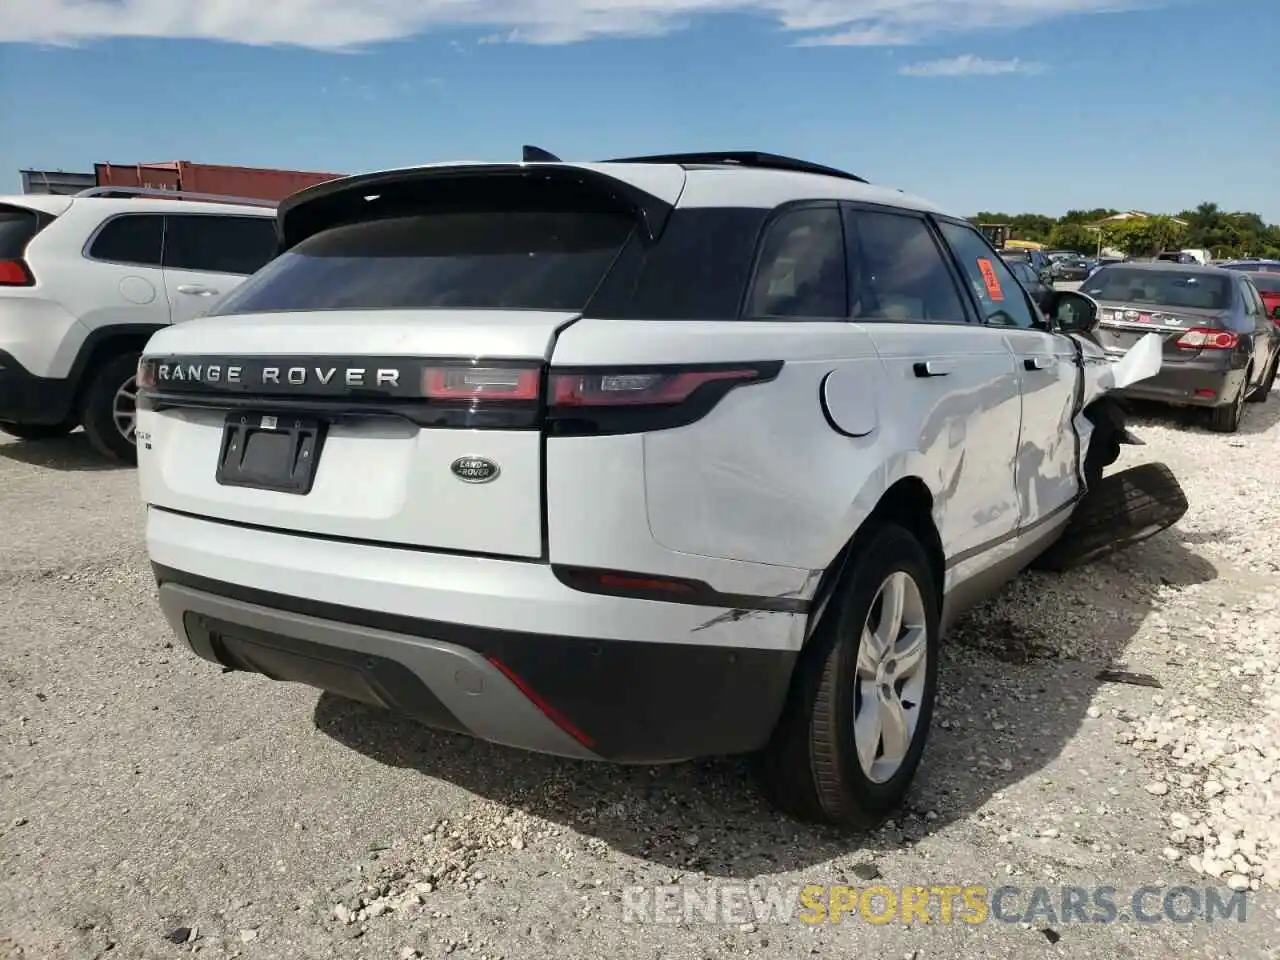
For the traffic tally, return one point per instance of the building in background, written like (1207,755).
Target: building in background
(250,182)
(58,182)
(221,180)
(1135,215)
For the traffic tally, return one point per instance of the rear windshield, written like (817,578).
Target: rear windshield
(17,227)
(1165,288)
(1266,282)
(479,259)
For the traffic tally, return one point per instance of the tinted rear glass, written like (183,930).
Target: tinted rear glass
(459,259)
(1165,288)
(17,227)
(698,271)
(1266,282)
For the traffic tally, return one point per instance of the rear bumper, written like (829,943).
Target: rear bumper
(499,650)
(28,399)
(1185,384)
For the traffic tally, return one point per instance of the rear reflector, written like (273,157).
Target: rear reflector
(481,383)
(14,273)
(549,711)
(1204,338)
(622,584)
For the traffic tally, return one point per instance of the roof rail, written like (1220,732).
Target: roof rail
(745,158)
(172,195)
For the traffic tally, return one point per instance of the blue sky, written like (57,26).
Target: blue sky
(1014,105)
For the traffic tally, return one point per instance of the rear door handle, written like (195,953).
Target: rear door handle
(196,291)
(932,368)
(1037,363)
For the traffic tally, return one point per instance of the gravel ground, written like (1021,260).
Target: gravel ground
(149,798)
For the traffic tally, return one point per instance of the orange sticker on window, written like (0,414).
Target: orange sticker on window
(990,279)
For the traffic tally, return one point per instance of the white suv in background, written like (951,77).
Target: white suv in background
(86,279)
(636,461)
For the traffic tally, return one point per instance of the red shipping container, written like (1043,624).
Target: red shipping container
(227,181)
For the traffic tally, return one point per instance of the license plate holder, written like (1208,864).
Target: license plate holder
(269,452)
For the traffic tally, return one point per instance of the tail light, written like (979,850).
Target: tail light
(635,399)
(482,383)
(634,389)
(145,377)
(1206,338)
(15,273)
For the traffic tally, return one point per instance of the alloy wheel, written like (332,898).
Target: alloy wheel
(124,409)
(893,655)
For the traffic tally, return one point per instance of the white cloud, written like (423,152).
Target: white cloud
(967,65)
(355,24)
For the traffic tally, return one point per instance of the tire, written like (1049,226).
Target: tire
(810,768)
(37,431)
(98,407)
(1123,509)
(1263,391)
(1226,418)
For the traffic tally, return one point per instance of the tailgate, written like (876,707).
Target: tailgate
(339,441)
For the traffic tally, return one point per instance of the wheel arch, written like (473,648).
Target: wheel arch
(909,503)
(103,344)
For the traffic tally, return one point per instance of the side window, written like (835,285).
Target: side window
(1259,310)
(1020,270)
(801,270)
(134,238)
(897,271)
(1252,302)
(214,244)
(999,295)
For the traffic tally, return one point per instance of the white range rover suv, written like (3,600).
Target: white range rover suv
(86,279)
(636,460)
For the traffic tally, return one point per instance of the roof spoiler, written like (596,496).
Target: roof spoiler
(334,202)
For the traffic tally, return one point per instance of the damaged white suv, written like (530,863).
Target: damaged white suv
(635,460)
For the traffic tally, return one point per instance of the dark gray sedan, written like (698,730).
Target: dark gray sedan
(1220,347)
(1070,268)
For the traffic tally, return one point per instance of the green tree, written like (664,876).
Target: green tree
(1087,217)
(1146,236)
(1074,236)
(1208,226)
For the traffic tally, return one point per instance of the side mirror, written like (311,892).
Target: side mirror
(1073,312)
